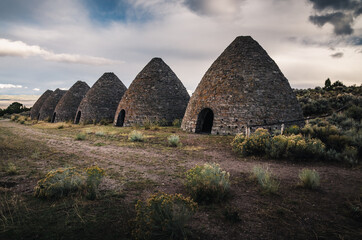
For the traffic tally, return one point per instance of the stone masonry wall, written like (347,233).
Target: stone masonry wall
(243,86)
(67,107)
(101,101)
(155,94)
(34,112)
(46,111)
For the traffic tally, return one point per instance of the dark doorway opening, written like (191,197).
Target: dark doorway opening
(38,117)
(77,118)
(120,119)
(53,118)
(205,121)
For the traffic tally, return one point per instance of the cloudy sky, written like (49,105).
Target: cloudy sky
(51,44)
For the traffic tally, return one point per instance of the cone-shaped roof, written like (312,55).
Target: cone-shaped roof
(66,108)
(243,86)
(46,111)
(34,113)
(100,102)
(155,94)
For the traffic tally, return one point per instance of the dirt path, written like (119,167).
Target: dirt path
(146,160)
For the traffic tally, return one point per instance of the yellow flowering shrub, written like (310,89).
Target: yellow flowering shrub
(237,141)
(294,129)
(294,147)
(163,216)
(94,177)
(207,183)
(254,145)
(277,146)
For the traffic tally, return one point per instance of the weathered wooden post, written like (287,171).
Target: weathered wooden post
(247,131)
(282,129)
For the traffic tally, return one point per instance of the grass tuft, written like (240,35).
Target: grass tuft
(11,169)
(163,216)
(136,136)
(80,136)
(309,178)
(173,140)
(207,183)
(266,179)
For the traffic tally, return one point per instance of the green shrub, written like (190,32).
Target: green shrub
(277,147)
(254,145)
(293,130)
(63,181)
(104,122)
(177,123)
(338,142)
(321,130)
(155,127)
(11,169)
(354,112)
(266,179)
(163,216)
(147,124)
(100,134)
(80,136)
(60,182)
(294,147)
(304,148)
(94,177)
(207,183)
(173,140)
(135,136)
(162,122)
(236,143)
(14,117)
(309,178)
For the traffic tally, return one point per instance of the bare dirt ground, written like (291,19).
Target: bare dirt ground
(136,170)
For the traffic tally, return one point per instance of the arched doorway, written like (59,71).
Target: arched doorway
(120,119)
(205,121)
(77,118)
(53,118)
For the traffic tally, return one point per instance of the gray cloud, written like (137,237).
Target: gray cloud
(188,37)
(340,13)
(340,21)
(214,7)
(337,55)
(18,10)
(335,4)
(331,43)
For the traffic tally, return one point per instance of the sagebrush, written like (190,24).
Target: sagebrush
(207,183)
(265,179)
(136,136)
(163,216)
(309,178)
(63,181)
